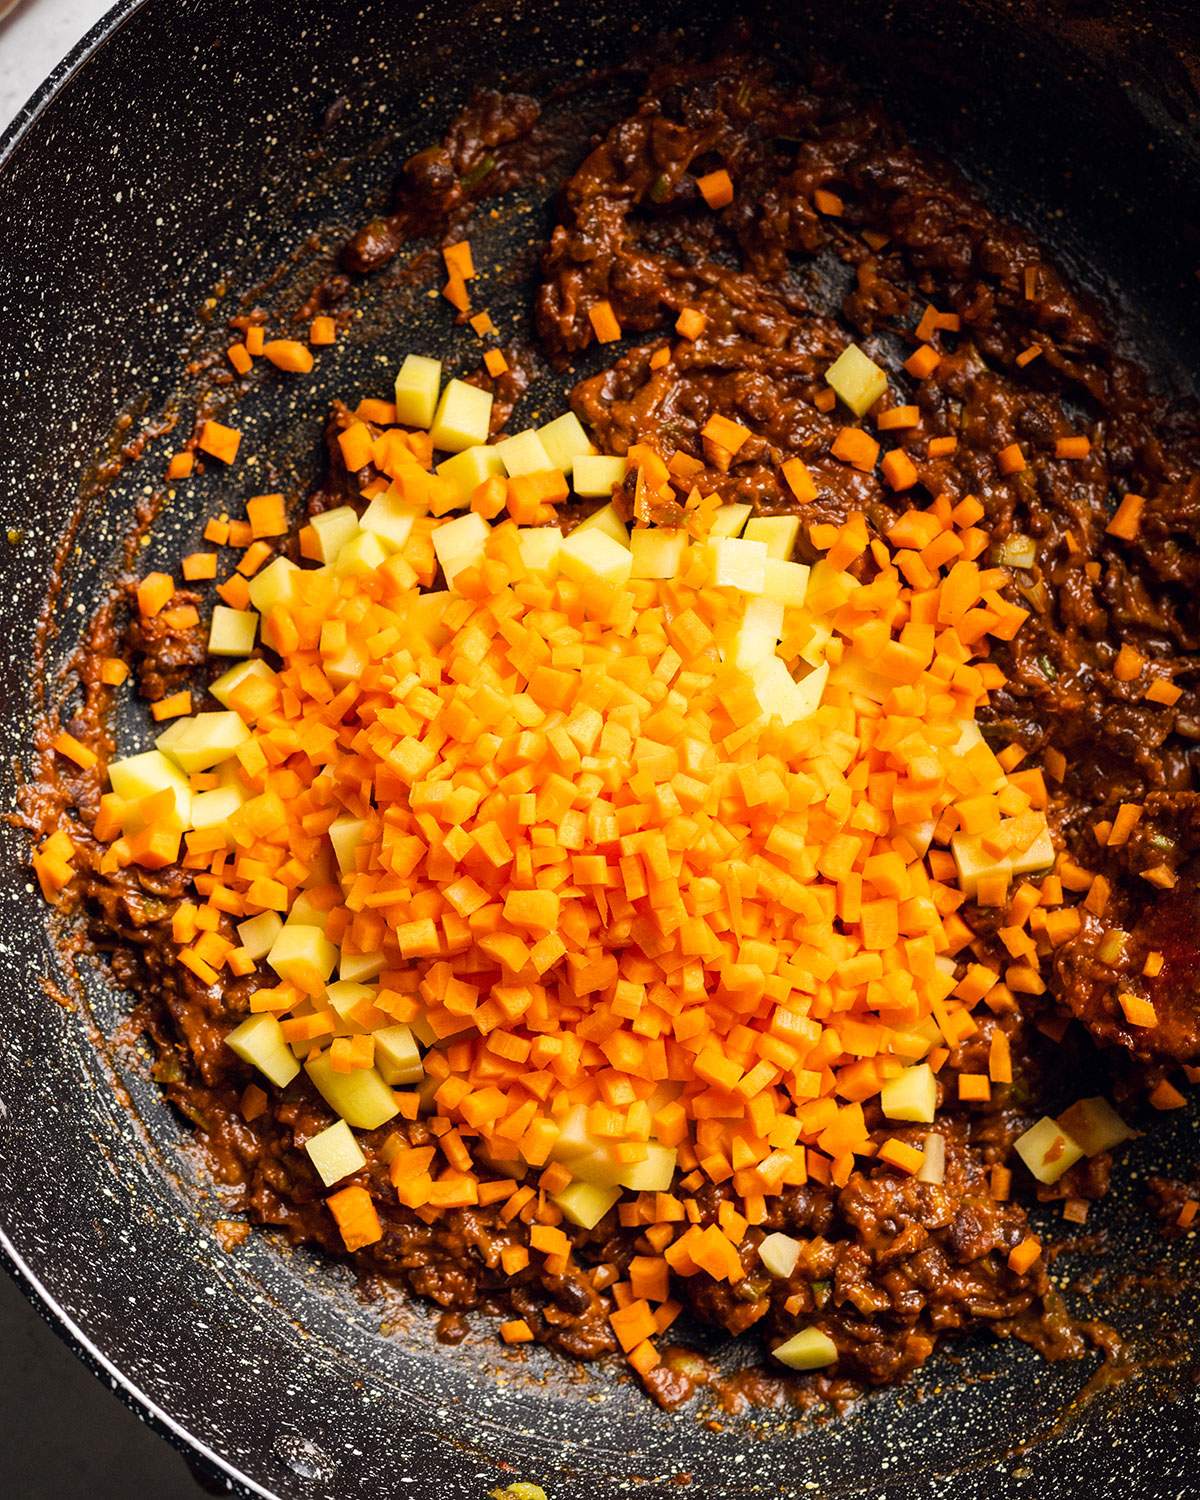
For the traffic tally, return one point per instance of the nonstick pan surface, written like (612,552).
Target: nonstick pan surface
(182,157)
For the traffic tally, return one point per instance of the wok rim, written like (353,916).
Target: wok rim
(36,1293)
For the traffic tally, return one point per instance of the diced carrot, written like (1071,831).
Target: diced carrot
(604,322)
(219,441)
(181,465)
(153,592)
(322,330)
(716,188)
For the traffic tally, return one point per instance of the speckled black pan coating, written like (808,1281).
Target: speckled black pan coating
(189,143)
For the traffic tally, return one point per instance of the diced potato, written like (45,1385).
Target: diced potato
(524,453)
(782,696)
(335,1153)
(539,547)
(973,862)
(857,379)
(346,666)
(231,632)
(257,934)
(933,1162)
(460,544)
(565,440)
(657,553)
(820,633)
(1047,1150)
(738,564)
(574,1137)
(1038,856)
(911,1095)
(606,520)
(828,587)
(1095,1125)
(654,1174)
(729,520)
(345,834)
(595,474)
(259,1041)
(334,528)
(417,384)
(228,683)
(142,775)
(785,582)
(584,1203)
(599,1167)
(204,740)
(214,809)
(397,1056)
(779,533)
(306,913)
(758,633)
(363,553)
(810,1349)
(359,967)
(275,584)
(779,1254)
(344,995)
(390,517)
(466,471)
(587,555)
(300,952)
(462,417)
(361,1098)
(989,770)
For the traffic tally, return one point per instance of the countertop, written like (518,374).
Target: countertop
(66,1436)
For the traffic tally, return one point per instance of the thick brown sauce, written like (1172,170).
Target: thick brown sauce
(893,1266)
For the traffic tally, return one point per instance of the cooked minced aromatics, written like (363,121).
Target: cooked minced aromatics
(635,860)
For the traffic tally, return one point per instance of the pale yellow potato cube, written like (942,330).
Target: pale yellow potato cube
(729,520)
(359,967)
(275,584)
(525,453)
(781,696)
(344,995)
(608,521)
(460,544)
(1095,1125)
(214,809)
(334,528)
(204,740)
(1038,856)
(565,440)
(346,834)
(810,1349)
(361,1098)
(417,383)
(857,379)
(462,417)
(335,1153)
(301,952)
(138,776)
(738,564)
(259,1041)
(779,1254)
(397,1056)
(911,1095)
(228,683)
(466,471)
(390,517)
(652,1175)
(362,554)
(594,475)
(1047,1150)
(231,632)
(539,547)
(973,862)
(779,533)
(257,934)
(758,633)
(306,913)
(657,553)
(584,1204)
(786,582)
(588,555)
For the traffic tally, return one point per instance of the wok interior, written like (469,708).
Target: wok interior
(188,160)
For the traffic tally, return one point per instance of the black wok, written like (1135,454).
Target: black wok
(183,153)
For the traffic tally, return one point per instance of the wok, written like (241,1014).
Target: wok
(181,157)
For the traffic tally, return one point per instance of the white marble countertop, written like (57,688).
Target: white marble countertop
(35,35)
